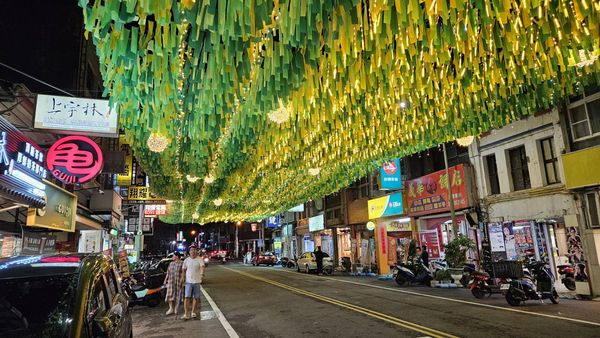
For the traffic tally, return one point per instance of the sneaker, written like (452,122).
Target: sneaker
(170,312)
(194,315)
(185,317)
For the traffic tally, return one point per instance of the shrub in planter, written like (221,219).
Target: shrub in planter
(456,251)
(443,275)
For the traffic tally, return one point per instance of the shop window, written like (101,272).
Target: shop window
(492,171)
(334,213)
(584,114)
(550,161)
(593,212)
(519,169)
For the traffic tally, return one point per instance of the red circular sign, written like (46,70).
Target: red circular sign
(75,159)
(390,168)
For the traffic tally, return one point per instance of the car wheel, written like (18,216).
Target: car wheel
(307,269)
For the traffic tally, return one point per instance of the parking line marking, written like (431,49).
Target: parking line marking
(230,331)
(378,315)
(581,321)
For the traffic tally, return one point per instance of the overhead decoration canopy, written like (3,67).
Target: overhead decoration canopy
(241,109)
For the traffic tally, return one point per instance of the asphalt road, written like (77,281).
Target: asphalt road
(278,302)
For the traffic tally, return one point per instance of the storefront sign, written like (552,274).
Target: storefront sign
(138,194)
(70,115)
(431,239)
(497,241)
(273,222)
(383,239)
(389,205)
(22,167)
(398,226)
(429,194)
(59,212)
(90,241)
(391,178)
(316,223)
(155,210)
(253,226)
(123,264)
(75,159)
(393,251)
(125,178)
(37,244)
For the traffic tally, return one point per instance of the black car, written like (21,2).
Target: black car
(75,295)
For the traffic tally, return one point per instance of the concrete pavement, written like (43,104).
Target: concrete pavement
(278,302)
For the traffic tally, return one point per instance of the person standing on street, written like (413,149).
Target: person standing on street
(319,259)
(194,271)
(174,280)
(425,256)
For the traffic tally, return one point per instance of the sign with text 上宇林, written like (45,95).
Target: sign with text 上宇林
(390,176)
(126,177)
(71,115)
(75,159)
(385,206)
(59,212)
(429,194)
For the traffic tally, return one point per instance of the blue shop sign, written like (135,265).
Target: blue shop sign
(391,178)
(273,222)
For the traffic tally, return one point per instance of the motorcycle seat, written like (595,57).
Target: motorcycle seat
(481,273)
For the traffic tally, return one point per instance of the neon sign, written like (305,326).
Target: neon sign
(75,159)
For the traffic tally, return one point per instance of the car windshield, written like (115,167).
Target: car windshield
(38,306)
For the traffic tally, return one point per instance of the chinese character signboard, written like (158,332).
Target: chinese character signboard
(429,194)
(385,206)
(37,244)
(71,115)
(125,178)
(74,159)
(151,210)
(316,223)
(430,239)
(21,167)
(391,178)
(59,212)
(138,193)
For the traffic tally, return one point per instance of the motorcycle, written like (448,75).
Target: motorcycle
(536,284)
(467,275)
(346,264)
(567,276)
(479,284)
(415,272)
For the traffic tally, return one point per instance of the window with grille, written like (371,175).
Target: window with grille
(584,114)
(492,171)
(593,213)
(550,161)
(518,168)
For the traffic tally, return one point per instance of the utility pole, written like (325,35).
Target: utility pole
(237,243)
(449,187)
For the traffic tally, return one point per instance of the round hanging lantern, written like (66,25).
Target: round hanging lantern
(209,179)
(217,202)
(157,143)
(465,141)
(192,179)
(281,114)
(314,171)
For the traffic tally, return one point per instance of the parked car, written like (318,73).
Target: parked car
(307,263)
(267,258)
(148,281)
(75,295)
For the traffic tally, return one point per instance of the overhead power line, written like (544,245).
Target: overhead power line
(35,79)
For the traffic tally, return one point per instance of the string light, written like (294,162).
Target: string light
(218,202)
(192,179)
(465,141)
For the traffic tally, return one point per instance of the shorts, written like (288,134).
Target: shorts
(192,290)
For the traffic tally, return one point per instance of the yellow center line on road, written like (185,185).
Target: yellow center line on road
(420,294)
(378,315)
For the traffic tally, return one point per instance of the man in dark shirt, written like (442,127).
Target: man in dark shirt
(425,256)
(319,259)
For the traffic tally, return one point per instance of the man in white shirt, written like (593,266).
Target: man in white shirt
(194,271)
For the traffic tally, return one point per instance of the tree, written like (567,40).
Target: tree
(456,251)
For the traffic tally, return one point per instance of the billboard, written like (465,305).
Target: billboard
(390,176)
(385,206)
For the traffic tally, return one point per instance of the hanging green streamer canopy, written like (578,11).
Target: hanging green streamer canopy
(241,109)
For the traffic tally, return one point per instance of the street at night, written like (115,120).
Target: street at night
(299,168)
(279,302)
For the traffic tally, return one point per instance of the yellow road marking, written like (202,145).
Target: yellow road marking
(381,316)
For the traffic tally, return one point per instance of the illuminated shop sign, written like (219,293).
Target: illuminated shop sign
(21,167)
(390,175)
(316,223)
(155,210)
(75,159)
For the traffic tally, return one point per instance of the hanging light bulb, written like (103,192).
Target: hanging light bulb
(314,171)
(465,141)
(281,114)
(209,179)
(217,202)
(157,142)
(192,179)
(195,215)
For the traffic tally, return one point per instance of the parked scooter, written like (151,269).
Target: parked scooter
(415,272)
(467,275)
(479,284)
(536,284)
(567,276)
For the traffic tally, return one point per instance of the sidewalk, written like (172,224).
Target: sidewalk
(152,322)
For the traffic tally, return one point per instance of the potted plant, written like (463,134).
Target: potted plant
(441,277)
(456,255)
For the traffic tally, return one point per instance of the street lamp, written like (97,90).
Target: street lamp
(193,232)
(237,242)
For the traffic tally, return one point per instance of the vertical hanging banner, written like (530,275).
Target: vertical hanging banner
(125,178)
(390,176)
